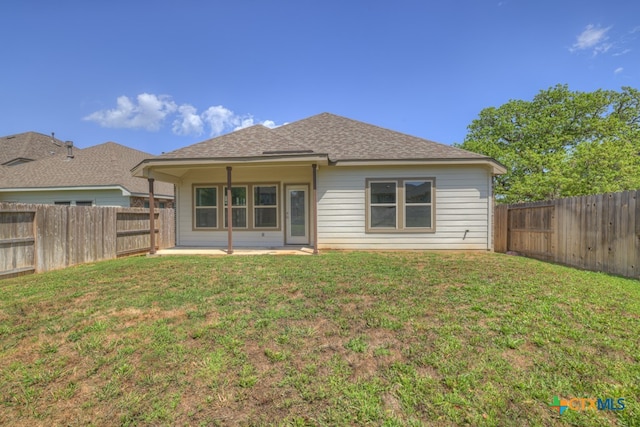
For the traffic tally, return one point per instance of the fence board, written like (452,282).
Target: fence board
(600,232)
(16,242)
(48,237)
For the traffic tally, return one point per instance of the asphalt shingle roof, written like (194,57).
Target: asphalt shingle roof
(338,137)
(346,139)
(101,165)
(29,146)
(254,141)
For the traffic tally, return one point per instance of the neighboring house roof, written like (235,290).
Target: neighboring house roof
(103,165)
(28,146)
(337,138)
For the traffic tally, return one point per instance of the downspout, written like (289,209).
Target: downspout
(229,225)
(315,208)
(152,218)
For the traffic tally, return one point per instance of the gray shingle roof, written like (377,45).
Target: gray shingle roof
(254,141)
(29,146)
(346,139)
(338,137)
(101,165)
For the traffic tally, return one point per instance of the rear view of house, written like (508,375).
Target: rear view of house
(328,182)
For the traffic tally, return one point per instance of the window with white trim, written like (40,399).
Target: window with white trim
(205,207)
(400,205)
(238,207)
(265,206)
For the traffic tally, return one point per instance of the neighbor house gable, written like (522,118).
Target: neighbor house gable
(28,146)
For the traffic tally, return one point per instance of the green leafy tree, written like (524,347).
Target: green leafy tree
(562,143)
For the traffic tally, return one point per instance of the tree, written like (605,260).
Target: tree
(562,143)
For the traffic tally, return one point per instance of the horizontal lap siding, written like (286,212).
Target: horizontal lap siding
(462,202)
(240,175)
(99,197)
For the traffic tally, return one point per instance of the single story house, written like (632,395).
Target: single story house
(328,182)
(93,176)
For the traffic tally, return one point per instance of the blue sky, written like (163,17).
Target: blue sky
(160,75)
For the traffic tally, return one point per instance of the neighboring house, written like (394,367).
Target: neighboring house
(27,147)
(376,189)
(98,175)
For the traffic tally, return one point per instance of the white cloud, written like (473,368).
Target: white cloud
(244,123)
(220,119)
(147,113)
(624,52)
(189,122)
(618,70)
(592,38)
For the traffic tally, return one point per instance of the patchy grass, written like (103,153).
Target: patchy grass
(341,339)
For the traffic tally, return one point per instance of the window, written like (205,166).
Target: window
(265,206)
(400,205)
(417,204)
(238,207)
(64,203)
(383,199)
(84,203)
(206,207)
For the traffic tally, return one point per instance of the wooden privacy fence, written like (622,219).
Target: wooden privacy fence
(37,238)
(599,233)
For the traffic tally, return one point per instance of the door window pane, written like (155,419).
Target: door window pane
(297,204)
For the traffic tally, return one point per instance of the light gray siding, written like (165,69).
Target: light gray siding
(462,202)
(110,197)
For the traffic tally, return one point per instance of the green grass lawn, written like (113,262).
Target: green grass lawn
(344,338)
